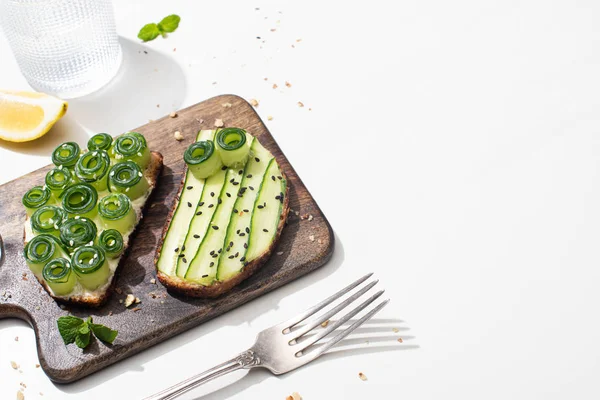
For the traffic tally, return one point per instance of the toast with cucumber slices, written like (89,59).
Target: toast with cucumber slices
(228,216)
(80,222)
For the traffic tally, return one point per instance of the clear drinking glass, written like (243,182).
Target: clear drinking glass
(67,48)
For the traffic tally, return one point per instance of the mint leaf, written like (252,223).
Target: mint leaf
(169,24)
(104,333)
(69,328)
(149,32)
(84,329)
(82,340)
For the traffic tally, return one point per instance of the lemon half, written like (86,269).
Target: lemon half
(26,116)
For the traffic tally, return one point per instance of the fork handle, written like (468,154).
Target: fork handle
(246,360)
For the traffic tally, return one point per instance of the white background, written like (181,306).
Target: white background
(454,147)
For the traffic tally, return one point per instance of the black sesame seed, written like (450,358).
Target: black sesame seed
(230,257)
(247,230)
(201,203)
(265,230)
(219,251)
(212,252)
(199,213)
(189,204)
(237,253)
(260,206)
(211,205)
(196,236)
(257,159)
(215,227)
(241,171)
(273,177)
(205,276)
(279,177)
(177,249)
(231,180)
(215,255)
(184,260)
(189,187)
(181,255)
(251,188)
(245,245)
(212,194)
(223,168)
(228,195)
(183,248)
(249,176)
(277,197)
(242,234)
(246,210)
(230,244)
(238,232)
(243,189)
(219,201)
(211,264)
(243,259)
(235,210)
(235,183)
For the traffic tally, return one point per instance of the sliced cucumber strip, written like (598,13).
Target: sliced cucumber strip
(111,241)
(81,200)
(202,159)
(57,180)
(116,212)
(58,275)
(238,232)
(90,266)
(127,177)
(180,222)
(92,168)
(76,232)
(232,146)
(48,219)
(198,228)
(131,146)
(35,198)
(203,268)
(267,212)
(100,141)
(41,249)
(66,154)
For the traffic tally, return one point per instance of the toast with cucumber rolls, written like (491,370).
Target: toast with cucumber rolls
(79,223)
(228,215)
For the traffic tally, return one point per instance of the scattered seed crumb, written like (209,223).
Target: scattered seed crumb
(312,238)
(173,114)
(136,309)
(214,83)
(324,324)
(37,365)
(178,136)
(37,307)
(266,79)
(23,384)
(129,300)
(137,300)
(41,394)
(226,105)
(110,313)
(309,109)
(319,241)
(288,84)
(20,396)
(270,118)
(298,40)
(120,301)
(400,340)
(279,253)
(273,30)
(254,102)
(153,281)
(362,376)
(158,106)
(162,302)
(174,48)
(275,86)
(294,396)
(14,365)
(219,123)
(310,217)
(300,104)
(396,330)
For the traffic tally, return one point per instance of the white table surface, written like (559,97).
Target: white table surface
(474,127)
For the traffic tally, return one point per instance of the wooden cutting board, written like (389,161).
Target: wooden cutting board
(161,315)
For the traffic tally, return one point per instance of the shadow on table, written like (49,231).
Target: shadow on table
(356,344)
(148,85)
(246,313)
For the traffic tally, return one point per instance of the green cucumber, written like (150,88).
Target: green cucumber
(92,168)
(48,219)
(131,146)
(178,228)
(115,211)
(40,250)
(236,233)
(233,146)
(127,177)
(35,198)
(58,179)
(203,214)
(203,267)
(267,212)
(66,154)
(59,275)
(202,159)
(100,141)
(90,266)
(111,241)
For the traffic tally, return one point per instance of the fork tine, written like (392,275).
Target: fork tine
(301,317)
(322,318)
(333,326)
(332,342)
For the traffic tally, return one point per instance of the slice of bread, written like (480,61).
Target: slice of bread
(192,289)
(101,295)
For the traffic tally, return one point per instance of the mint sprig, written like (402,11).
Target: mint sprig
(75,330)
(167,25)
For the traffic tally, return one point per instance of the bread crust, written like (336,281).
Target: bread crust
(98,299)
(191,289)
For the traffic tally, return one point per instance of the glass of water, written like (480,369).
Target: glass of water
(68,48)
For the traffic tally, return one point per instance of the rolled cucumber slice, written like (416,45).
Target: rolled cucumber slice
(239,227)
(48,219)
(180,222)
(91,267)
(267,211)
(233,146)
(127,177)
(59,275)
(203,267)
(40,250)
(131,146)
(116,212)
(36,197)
(202,159)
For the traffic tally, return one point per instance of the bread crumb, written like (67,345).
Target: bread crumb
(136,309)
(396,330)
(173,114)
(312,238)
(23,384)
(294,396)
(270,118)
(153,281)
(254,102)
(324,324)
(320,241)
(226,105)
(279,253)
(37,365)
(178,136)
(288,84)
(300,104)
(274,86)
(298,40)
(16,338)
(310,217)
(20,396)
(219,123)
(137,300)
(400,340)
(14,365)
(273,30)
(129,300)
(362,376)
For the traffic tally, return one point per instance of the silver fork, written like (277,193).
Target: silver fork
(283,347)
